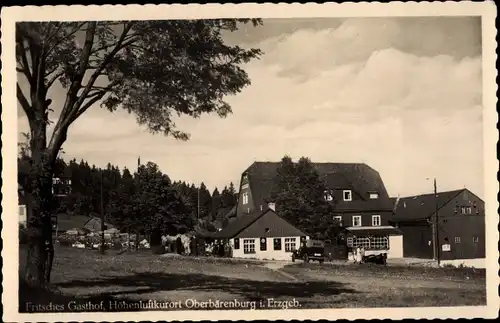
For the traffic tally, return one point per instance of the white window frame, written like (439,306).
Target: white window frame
(369,243)
(466,210)
(328,195)
(373,195)
(457,240)
(350,195)
(376,216)
(338,218)
(248,246)
(245,198)
(354,222)
(290,244)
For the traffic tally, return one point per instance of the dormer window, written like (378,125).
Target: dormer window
(347,194)
(373,195)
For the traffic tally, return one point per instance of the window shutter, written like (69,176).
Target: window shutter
(236,243)
(263,244)
(277,243)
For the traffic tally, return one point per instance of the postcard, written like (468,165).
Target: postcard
(251,161)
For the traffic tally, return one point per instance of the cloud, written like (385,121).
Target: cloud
(359,90)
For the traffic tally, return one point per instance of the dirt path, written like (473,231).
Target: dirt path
(278,266)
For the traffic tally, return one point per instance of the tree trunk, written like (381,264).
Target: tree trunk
(40,247)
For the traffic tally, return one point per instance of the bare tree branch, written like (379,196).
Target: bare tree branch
(59,41)
(101,67)
(24,59)
(24,102)
(54,78)
(70,108)
(71,97)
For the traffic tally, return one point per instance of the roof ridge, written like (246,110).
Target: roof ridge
(430,194)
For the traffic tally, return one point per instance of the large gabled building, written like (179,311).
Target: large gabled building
(362,204)
(461,225)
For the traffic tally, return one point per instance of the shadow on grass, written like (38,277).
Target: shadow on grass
(138,284)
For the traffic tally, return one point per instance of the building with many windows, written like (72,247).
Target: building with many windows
(261,235)
(362,204)
(460,230)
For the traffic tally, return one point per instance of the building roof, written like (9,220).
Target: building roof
(375,231)
(67,222)
(421,207)
(358,177)
(242,222)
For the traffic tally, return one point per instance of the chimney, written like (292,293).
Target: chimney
(272,206)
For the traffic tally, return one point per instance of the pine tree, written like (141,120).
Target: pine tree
(299,196)
(216,203)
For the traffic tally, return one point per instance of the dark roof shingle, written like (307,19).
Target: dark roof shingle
(422,207)
(238,224)
(358,177)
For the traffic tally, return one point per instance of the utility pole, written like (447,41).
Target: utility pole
(198,204)
(102,216)
(438,245)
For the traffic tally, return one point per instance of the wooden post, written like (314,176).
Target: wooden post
(102,217)
(437,224)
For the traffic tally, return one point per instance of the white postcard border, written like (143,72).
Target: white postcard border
(140,12)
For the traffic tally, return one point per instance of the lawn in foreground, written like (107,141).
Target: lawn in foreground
(399,286)
(83,274)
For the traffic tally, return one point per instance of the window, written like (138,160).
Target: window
(248,245)
(244,186)
(347,195)
(290,244)
(457,239)
(369,243)
(328,196)
(356,220)
(375,220)
(236,243)
(277,243)
(466,210)
(475,239)
(272,206)
(263,244)
(373,196)
(338,219)
(245,198)
(21,209)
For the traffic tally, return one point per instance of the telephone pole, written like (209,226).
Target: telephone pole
(102,217)
(438,245)
(198,204)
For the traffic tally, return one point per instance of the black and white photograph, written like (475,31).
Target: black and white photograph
(260,161)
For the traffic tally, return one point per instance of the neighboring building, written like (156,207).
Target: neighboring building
(23,206)
(362,204)
(261,235)
(461,225)
(67,222)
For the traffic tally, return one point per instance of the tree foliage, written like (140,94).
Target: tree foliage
(298,192)
(155,70)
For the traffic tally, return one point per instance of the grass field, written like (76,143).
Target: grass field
(86,275)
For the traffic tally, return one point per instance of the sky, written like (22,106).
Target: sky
(403,95)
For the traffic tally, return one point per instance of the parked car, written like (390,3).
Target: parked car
(310,250)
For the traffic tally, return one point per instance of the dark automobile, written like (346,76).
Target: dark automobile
(310,250)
